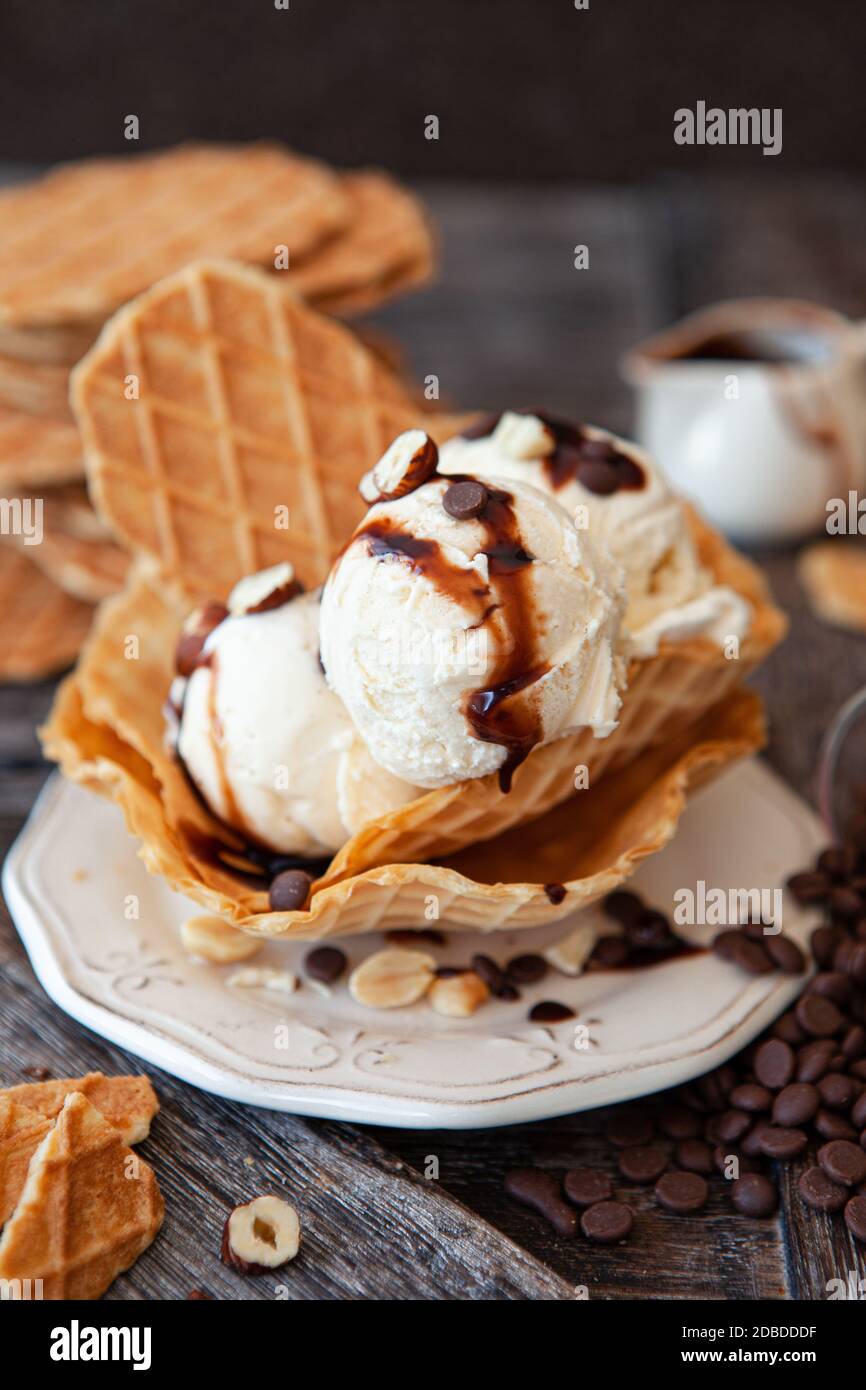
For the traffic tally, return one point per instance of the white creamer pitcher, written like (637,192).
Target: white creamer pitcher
(756,408)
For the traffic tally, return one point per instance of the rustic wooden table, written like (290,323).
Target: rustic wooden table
(510,321)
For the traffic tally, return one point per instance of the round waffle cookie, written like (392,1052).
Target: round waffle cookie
(226,426)
(88,236)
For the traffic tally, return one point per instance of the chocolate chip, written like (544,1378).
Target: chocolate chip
(598,449)
(785,954)
(643,1162)
(823,943)
(649,932)
(819,1191)
(810,887)
(732,1125)
(711,1089)
(774,1064)
(550,1011)
(325,963)
(628,1128)
(830,1125)
(751,1141)
(598,476)
(527,969)
(754,1195)
(845,903)
(36,1073)
(607,1223)
(843,1161)
(726,944)
(777,1141)
(695,1155)
(750,956)
(677,1122)
(831,984)
(854,1042)
(622,906)
(855,1217)
(813,1060)
(839,861)
(465,500)
(289,890)
(490,973)
(751,1097)
(585,1186)
(838,1092)
(788,1029)
(611,951)
(682,1192)
(533,1187)
(858,1114)
(755,930)
(796,1104)
(818,1016)
(856,966)
(843,954)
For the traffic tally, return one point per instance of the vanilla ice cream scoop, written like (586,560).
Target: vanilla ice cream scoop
(270,748)
(609,487)
(466,622)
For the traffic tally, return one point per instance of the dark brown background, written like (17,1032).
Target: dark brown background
(524,89)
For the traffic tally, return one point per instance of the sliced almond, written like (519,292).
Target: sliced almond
(392,978)
(264,977)
(458,996)
(571,953)
(212,939)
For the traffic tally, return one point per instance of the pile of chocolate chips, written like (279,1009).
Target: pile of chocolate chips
(799,1089)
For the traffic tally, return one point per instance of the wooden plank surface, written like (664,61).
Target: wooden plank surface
(511,322)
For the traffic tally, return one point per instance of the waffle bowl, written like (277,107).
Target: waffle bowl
(106,732)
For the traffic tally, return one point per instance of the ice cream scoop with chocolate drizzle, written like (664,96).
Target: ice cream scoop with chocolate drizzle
(467,621)
(610,489)
(269,747)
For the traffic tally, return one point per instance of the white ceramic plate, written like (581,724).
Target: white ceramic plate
(73,878)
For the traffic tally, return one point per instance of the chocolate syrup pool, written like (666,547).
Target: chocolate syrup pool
(505,605)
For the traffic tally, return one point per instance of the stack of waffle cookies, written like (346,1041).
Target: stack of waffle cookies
(79,243)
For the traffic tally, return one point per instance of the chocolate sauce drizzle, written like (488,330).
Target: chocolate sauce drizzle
(505,604)
(595,463)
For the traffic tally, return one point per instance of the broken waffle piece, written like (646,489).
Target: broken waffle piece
(89,1208)
(127,1102)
